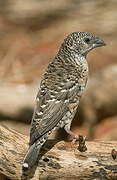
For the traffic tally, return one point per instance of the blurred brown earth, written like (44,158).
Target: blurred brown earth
(31,32)
(100,98)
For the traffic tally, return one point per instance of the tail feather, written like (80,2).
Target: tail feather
(31,156)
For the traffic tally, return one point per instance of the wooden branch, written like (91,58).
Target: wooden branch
(59,160)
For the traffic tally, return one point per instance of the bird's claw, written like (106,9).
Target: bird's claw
(76,138)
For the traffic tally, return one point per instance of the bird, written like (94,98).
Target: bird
(60,91)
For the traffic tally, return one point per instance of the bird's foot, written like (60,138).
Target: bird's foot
(74,136)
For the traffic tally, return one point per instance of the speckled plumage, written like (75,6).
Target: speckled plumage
(60,91)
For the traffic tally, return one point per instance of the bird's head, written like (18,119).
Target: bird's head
(81,43)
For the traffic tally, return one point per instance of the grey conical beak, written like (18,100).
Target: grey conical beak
(98,42)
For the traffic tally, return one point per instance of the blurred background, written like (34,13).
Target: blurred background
(31,32)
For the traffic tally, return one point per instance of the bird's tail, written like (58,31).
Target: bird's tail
(32,155)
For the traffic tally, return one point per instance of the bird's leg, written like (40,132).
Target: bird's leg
(73,135)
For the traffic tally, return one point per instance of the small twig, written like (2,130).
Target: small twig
(82,146)
(114,154)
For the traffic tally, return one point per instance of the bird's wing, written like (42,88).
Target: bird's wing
(51,107)
(48,112)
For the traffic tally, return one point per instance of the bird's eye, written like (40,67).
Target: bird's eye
(87,40)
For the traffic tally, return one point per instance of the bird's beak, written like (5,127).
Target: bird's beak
(98,42)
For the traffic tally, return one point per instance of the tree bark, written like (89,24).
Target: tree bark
(58,160)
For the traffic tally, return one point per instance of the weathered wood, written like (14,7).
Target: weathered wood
(59,160)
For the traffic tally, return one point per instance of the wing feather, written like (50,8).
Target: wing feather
(52,105)
(51,114)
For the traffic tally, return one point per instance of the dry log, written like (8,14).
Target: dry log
(58,160)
